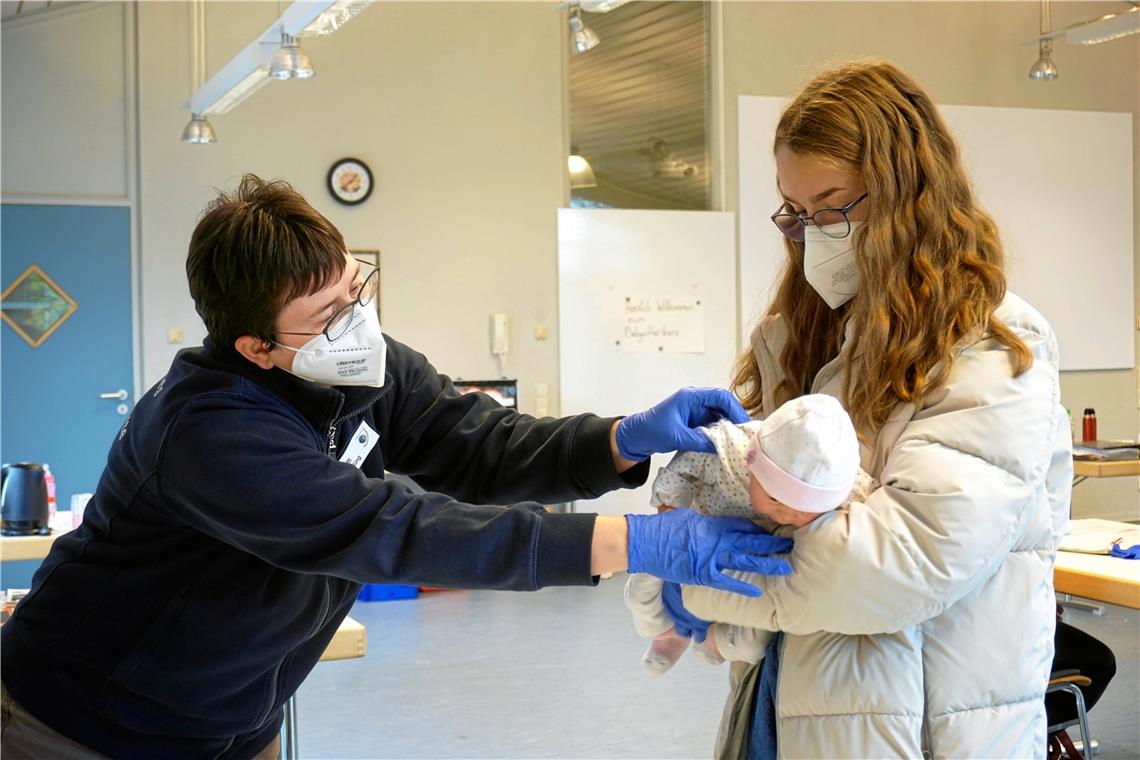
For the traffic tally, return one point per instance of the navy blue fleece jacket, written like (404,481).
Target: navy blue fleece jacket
(226,542)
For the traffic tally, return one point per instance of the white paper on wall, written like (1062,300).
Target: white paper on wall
(671,325)
(684,258)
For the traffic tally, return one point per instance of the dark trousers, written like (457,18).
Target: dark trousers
(25,737)
(1077,650)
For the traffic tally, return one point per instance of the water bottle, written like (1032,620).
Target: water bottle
(1088,425)
(49,481)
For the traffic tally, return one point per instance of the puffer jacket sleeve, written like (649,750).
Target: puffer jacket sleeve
(958,487)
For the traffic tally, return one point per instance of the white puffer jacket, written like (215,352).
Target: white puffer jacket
(921,620)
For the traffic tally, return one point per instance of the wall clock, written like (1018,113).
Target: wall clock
(350,181)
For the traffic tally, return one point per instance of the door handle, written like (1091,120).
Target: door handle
(119,395)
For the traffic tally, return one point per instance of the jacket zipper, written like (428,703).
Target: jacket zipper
(336,422)
(275,684)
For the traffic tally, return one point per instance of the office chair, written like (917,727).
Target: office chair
(1060,743)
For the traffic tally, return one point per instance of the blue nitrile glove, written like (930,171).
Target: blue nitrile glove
(685,623)
(682,546)
(669,426)
(1132,552)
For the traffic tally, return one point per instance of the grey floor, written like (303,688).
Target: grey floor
(557,674)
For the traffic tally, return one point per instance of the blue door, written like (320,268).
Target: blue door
(66,344)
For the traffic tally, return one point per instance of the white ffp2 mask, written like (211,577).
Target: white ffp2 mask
(356,358)
(829,265)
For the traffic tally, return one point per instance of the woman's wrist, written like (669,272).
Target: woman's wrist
(621,464)
(609,550)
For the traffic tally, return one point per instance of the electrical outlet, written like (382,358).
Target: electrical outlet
(175,335)
(541,331)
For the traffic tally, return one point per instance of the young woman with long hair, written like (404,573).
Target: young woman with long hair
(920,619)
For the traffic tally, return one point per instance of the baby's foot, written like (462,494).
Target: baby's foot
(665,650)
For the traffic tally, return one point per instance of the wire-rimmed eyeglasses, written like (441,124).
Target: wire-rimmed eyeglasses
(832,222)
(338,323)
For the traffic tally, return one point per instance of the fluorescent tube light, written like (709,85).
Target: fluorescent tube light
(1110,27)
(248,71)
(245,74)
(252,82)
(335,17)
(602,6)
(593,6)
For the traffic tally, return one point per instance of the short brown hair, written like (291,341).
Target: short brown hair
(254,250)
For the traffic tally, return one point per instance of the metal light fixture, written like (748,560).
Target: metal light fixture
(1104,29)
(582,38)
(199,132)
(1044,70)
(581,173)
(290,62)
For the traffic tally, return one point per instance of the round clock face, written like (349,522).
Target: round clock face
(350,181)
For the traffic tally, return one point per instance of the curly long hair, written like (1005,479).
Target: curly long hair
(929,258)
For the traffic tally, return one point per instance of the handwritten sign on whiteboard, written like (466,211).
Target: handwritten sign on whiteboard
(663,325)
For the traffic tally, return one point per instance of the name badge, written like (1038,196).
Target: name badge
(363,440)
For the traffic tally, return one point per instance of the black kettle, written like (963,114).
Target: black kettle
(24,500)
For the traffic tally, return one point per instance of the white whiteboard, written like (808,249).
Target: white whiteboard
(606,256)
(1059,184)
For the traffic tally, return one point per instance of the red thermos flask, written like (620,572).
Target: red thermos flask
(1088,425)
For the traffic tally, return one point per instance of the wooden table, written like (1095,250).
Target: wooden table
(1083,468)
(348,643)
(14,548)
(1100,577)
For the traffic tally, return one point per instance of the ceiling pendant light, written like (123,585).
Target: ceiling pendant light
(1044,70)
(199,132)
(582,38)
(581,173)
(290,62)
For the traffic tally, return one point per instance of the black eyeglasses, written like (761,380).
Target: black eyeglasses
(339,323)
(832,222)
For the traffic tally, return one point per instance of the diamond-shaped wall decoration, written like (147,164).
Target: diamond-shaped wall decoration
(35,306)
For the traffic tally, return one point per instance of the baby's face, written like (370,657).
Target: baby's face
(776,511)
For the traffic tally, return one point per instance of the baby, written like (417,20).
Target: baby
(782,473)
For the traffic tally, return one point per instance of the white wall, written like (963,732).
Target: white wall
(65,105)
(457,109)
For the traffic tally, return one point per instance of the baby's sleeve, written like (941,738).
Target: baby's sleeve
(678,483)
(740,643)
(643,597)
(864,485)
